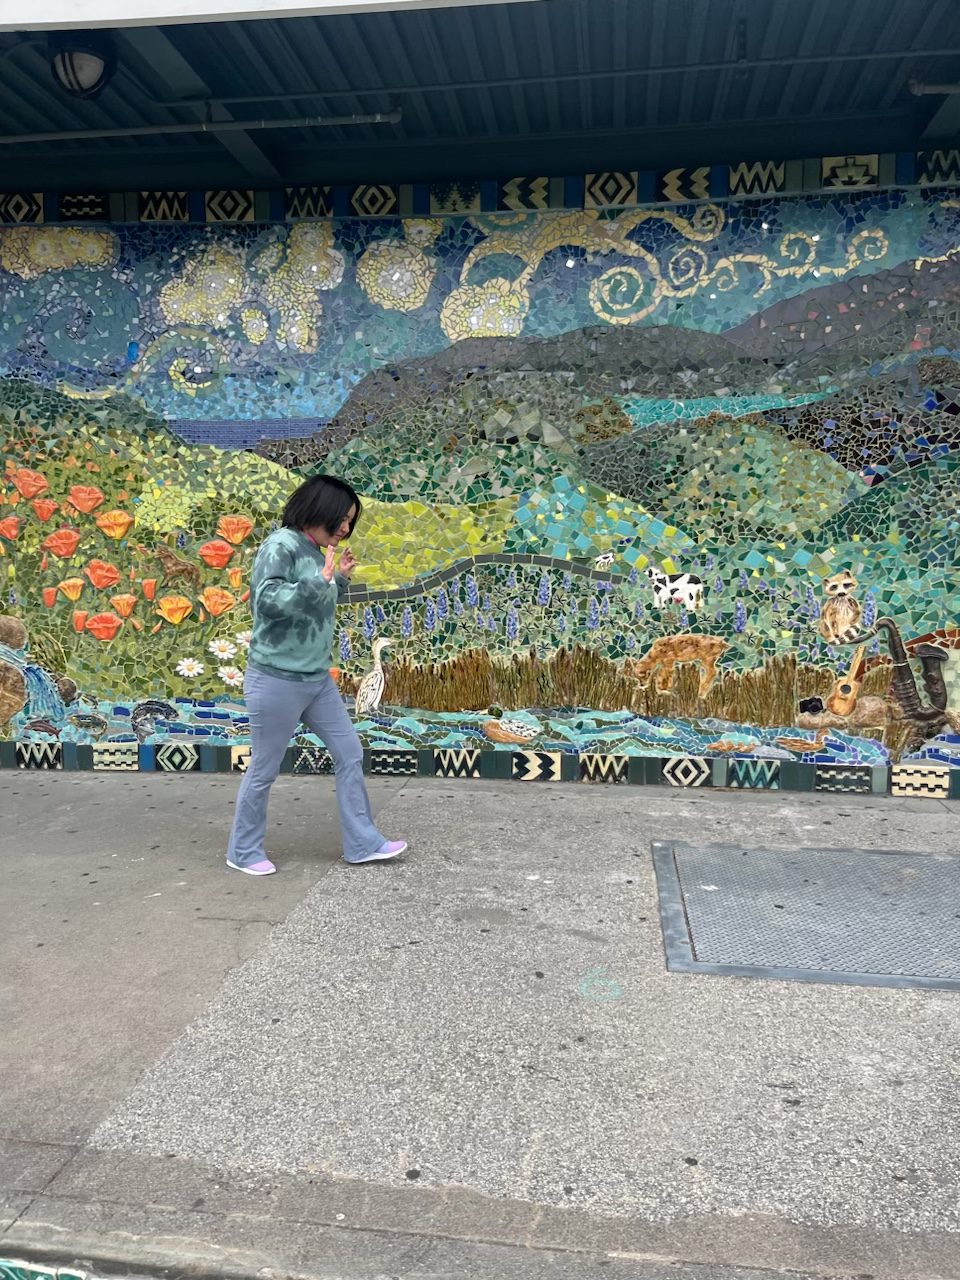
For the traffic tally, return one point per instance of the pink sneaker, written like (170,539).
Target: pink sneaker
(389,849)
(262,868)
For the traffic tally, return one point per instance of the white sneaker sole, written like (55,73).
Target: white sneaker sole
(376,857)
(249,871)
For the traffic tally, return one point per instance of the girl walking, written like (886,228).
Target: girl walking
(293,597)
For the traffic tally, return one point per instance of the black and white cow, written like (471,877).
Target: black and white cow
(676,588)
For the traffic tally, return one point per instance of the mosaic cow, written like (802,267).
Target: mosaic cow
(676,588)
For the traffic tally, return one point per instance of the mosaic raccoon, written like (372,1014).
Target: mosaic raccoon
(841,613)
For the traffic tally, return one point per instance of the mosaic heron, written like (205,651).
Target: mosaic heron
(371,686)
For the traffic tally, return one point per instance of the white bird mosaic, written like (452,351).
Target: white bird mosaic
(372,685)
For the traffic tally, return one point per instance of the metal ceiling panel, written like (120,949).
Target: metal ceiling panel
(549,87)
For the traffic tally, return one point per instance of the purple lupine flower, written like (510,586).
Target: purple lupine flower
(631,643)
(513,624)
(491,625)
(544,591)
(457,606)
(487,603)
(406,622)
(684,619)
(561,624)
(512,580)
(869,610)
(567,581)
(638,611)
(369,625)
(381,616)
(473,591)
(346,652)
(429,616)
(709,563)
(718,586)
(605,607)
(744,580)
(593,614)
(740,618)
(443,603)
(633,577)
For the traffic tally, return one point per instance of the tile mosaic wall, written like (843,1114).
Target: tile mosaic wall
(664,485)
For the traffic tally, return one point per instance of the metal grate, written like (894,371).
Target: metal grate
(811,915)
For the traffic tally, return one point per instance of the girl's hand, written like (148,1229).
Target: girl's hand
(328,564)
(348,562)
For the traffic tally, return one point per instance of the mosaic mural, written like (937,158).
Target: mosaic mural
(669,483)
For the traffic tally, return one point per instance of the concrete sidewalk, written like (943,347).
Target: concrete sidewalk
(406,1071)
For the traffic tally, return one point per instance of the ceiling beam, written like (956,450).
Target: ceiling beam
(65,15)
(165,64)
(946,120)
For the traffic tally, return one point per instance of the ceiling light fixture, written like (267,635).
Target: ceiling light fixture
(82,62)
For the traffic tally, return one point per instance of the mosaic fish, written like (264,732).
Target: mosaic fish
(89,722)
(42,726)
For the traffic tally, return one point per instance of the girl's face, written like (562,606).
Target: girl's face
(323,538)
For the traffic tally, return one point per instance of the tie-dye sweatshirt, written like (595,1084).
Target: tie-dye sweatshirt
(294,608)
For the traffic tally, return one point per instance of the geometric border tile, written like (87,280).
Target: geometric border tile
(599,767)
(310,759)
(85,208)
(517,194)
(931,781)
(453,762)
(760,775)
(684,184)
(39,755)
(240,758)
(611,189)
(229,205)
(177,757)
(116,755)
(162,206)
(374,200)
(536,766)
(850,172)
(688,771)
(308,202)
(844,779)
(18,207)
(387,762)
(455,197)
(938,168)
(757,178)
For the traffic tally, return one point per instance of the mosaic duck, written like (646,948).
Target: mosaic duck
(805,745)
(508,730)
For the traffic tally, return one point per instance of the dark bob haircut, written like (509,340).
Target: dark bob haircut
(322,501)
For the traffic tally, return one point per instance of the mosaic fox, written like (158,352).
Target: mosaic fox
(669,651)
(173,567)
